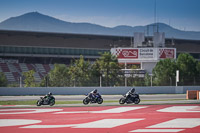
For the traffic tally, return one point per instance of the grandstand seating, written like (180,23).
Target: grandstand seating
(13,71)
(4,67)
(10,76)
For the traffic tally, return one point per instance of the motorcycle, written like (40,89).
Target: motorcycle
(46,101)
(98,99)
(127,98)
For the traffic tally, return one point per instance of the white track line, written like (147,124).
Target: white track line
(156,130)
(105,123)
(179,123)
(113,110)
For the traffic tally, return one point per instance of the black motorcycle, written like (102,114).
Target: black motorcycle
(130,98)
(46,101)
(98,99)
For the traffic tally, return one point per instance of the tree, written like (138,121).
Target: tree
(59,77)
(29,78)
(147,79)
(198,72)
(3,80)
(164,72)
(80,72)
(186,65)
(198,68)
(108,67)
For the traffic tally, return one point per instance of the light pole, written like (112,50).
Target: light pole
(151,75)
(125,81)
(20,81)
(100,80)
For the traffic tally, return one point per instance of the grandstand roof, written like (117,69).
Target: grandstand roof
(68,40)
(44,39)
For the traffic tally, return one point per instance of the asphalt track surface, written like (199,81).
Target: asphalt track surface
(176,118)
(145,99)
(155,113)
(105,97)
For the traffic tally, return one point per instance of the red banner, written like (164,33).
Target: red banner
(166,53)
(128,53)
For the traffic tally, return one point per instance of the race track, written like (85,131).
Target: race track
(176,118)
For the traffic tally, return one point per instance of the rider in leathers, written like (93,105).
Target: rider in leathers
(130,93)
(48,96)
(92,94)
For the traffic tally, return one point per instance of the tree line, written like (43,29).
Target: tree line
(106,71)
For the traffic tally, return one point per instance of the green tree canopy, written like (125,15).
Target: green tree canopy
(107,66)
(164,72)
(29,78)
(187,67)
(3,80)
(80,72)
(59,77)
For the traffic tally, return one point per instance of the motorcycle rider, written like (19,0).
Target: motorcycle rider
(130,93)
(48,96)
(92,94)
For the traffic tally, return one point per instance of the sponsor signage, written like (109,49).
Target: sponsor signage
(147,53)
(166,53)
(128,53)
(144,53)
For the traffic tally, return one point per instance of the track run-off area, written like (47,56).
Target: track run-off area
(176,118)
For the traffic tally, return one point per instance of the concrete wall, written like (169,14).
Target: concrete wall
(14,91)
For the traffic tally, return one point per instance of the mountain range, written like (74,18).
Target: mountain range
(35,21)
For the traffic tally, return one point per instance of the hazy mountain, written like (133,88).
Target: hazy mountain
(35,21)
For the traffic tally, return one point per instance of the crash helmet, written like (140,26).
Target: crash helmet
(132,90)
(95,91)
(49,93)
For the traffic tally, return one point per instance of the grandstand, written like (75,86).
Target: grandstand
(22,51)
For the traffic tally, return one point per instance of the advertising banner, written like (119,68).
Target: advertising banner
(166,53)
(144,53)
(126,53)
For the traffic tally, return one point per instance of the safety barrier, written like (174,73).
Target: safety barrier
(16,91)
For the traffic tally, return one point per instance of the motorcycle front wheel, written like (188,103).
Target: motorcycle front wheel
(52,103)
(137,100)
(99,100)
(122,100)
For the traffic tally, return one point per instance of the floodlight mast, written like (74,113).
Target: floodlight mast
(155,15)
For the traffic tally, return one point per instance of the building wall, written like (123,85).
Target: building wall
(148,66)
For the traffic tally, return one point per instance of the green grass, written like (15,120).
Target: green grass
(17,102)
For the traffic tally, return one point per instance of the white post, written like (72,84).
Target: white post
(20,81)
(177,77)
(151,79)
(125,75)
(125,82)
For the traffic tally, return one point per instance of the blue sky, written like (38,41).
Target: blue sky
(181,14)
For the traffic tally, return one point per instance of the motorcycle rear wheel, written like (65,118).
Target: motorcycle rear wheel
(38,103)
